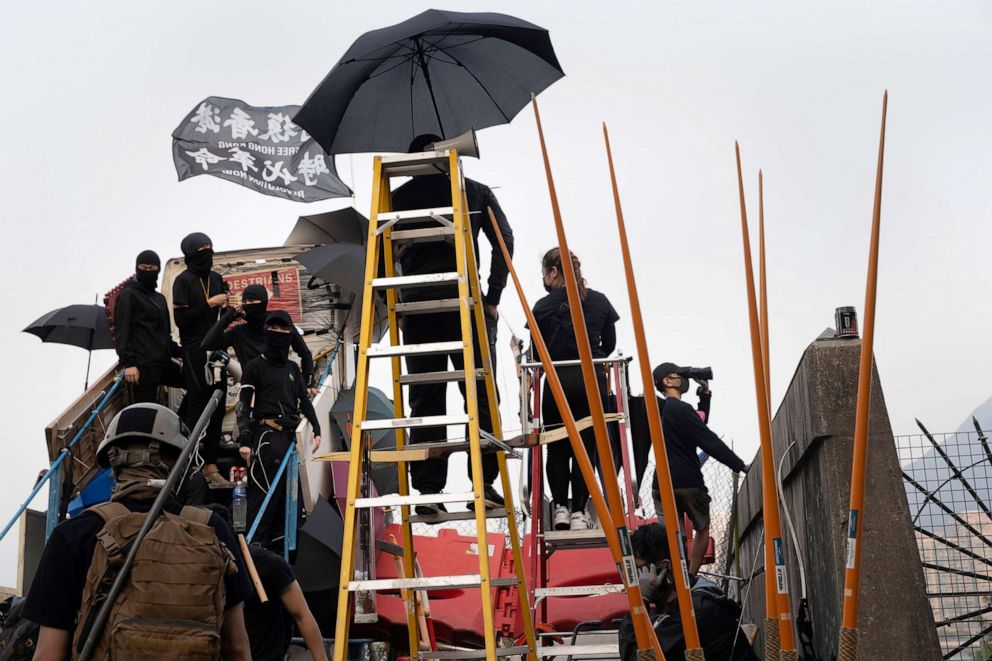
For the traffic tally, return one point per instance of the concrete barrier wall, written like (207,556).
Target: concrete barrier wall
(817,415)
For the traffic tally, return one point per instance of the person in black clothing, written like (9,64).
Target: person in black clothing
(717,617)
(56,594)
(198,294)
(248,339)
(143,332)
(684,432)
(427,399)
(268,411)
(555,323)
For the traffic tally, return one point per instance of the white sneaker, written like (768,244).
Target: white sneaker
(561,518)
(579,521)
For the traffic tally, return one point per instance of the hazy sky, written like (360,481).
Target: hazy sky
(92,91)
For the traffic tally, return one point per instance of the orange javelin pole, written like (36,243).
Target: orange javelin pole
(763,292)
(639,614)
(693,649)
(628,570)
(848,648)
(778,617)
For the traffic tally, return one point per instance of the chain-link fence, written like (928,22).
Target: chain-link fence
(948,480)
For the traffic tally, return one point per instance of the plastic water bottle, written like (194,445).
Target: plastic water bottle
(239,508)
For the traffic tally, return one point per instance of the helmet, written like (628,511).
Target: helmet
(143,421)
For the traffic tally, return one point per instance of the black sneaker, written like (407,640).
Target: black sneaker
(494,501)
(430,509)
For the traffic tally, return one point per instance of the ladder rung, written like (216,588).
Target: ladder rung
(444,517)
(428,583)
(472,654)
(423,235)
(437,377)
(413,214)
(407,423)
(430,307)
(388,351)
(412,165)
(575,539)
(579,590)
(604,649)
(410,452)
(395,500)
(422,280)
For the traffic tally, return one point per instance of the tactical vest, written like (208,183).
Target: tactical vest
(172,605)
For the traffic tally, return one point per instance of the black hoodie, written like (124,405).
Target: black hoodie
(190,292)
(142,331)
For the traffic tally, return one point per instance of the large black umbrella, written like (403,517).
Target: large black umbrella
(379,407)
(346,225)
(441,72)
(83,326)
(340,264)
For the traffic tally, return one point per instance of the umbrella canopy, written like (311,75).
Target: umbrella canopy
(440,72)
(83,326)
(380,407)
(342,226)
(338,264)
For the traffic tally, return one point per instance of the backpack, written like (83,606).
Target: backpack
(19,636)
(172,606)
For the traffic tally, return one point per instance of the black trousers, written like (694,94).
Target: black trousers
(150,379)
(269,448)
(431,398)
(196,398)
(562,467)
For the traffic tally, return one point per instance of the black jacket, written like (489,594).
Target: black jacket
(249,342)
(716,622)
(684,432)
(439,257)
(194,316)
(142,330)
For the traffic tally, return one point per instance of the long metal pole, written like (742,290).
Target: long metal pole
(63,454)
(672,528)
(96,633)
(848,645)
(778,619)
(639,614)
(628,571)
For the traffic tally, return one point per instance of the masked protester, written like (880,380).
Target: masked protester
(555,323)
(685,430)
(198,294)
(272,397)
(143,332)
(248,339)
(189,569)
(428,399)
(717,617)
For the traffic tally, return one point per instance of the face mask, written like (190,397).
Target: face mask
(200,262)
(683,384)
(254,312)
(548,286)
(277,346)
(147,279)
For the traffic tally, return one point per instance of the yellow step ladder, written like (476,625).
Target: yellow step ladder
(386,234)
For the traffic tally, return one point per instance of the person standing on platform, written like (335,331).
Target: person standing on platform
(429,399)
(143,333)
(198,294)
(555,323)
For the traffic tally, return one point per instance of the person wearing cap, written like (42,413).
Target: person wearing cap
(198,294)
(273,394)
(429,399)
(143,332)
(685,431)
(141,447)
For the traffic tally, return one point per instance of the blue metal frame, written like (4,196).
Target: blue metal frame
(55,470)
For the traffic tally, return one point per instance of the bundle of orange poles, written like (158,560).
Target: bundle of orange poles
(848,644)
(779,637)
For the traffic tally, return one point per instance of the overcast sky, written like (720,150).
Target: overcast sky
(92,91)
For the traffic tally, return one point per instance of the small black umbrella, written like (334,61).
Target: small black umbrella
(379,407)
(346,225)
(337,264)
(83,326)
(441,72)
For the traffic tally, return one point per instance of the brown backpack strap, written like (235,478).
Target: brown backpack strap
(110,510)
(199,515)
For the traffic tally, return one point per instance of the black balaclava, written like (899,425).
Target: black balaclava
(198,261)
(255,312)
(148,280)
(276,343)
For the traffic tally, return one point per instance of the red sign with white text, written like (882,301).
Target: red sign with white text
(283,285)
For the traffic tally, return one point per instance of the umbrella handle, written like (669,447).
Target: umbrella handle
(311,283)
